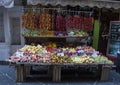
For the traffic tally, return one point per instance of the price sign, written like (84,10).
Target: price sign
(114,41)
(115,26)
(115,30)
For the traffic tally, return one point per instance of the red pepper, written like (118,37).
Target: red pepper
(88,23)
(60,23)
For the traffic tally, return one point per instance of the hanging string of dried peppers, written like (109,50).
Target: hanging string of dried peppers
(60,23)
(48,20)
(45,21)
(88,22)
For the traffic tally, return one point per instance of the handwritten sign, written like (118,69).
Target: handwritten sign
(115,30)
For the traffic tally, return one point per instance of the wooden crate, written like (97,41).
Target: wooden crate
(54,70)
(21,72)
(105,73)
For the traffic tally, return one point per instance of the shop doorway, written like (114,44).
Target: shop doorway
(105,18)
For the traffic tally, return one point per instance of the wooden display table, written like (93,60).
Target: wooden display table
(23,69)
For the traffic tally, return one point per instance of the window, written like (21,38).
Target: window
(2,34)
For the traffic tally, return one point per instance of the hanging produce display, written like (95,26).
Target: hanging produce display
(45,21)
(88,22)
(60,23)
(77,22)
(30,21)
(52,20)
(36,21)
(74,22)
(69,21)
(53,23)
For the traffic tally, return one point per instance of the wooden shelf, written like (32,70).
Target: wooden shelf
(55,36)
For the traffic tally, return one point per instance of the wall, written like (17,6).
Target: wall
(6,49)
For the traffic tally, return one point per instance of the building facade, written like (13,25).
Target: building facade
(11,22)
(10,30)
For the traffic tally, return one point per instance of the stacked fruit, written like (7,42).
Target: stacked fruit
(28,32)
(32,48)
(88,50)
(77,60)
(49,44)
(77,33)
(61,59)
(31,58)
(60,33)
(31,54)
(46,33)
(83,59)
(43,58)
(87,59)
(102,59)
(41,54)
(82,33)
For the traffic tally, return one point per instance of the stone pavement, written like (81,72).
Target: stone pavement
(7,77)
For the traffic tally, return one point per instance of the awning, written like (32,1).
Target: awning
(7,3)
(91,3)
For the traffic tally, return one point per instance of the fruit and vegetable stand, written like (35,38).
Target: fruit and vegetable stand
(56,58)
(59,24)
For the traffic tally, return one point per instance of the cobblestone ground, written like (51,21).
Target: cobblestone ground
(7,77)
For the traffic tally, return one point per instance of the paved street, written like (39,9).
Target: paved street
(7,77)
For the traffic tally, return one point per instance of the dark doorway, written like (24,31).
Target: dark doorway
(105,18)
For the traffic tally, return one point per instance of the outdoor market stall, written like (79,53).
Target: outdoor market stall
(50,29)
(81,56)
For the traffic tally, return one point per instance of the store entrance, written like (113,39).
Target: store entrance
(105,18)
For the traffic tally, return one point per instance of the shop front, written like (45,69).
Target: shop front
(62,34)
(10,28)
(4,46)
(102,12)
(8,13)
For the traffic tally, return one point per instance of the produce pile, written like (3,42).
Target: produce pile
(44,54)
(77,33)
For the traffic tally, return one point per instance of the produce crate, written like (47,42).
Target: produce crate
(21,72)
(54,70)
(105,73)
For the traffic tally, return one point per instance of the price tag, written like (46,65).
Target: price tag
(19,54)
